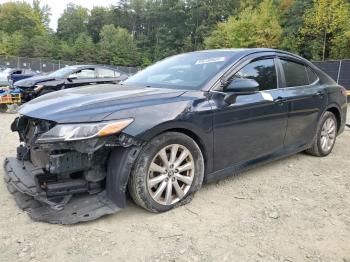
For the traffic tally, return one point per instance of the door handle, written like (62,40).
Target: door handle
(280,100)
(94,83)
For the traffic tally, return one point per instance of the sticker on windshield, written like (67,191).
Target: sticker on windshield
(211,60)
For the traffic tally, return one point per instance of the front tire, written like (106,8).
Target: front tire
(167,173)
(325,137)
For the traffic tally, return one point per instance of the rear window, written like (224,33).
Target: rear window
(295,74)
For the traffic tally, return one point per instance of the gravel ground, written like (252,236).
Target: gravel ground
(295,209)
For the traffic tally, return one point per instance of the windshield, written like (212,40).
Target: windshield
(185,71)
(63,72)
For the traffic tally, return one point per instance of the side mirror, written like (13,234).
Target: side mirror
(240,87)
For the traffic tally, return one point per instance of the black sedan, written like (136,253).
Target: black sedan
(68,77)
(161,134)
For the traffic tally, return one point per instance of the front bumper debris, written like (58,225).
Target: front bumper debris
(72,181)
(20,177)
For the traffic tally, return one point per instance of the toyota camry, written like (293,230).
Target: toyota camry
(184,121)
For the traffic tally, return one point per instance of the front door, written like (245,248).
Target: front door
(255,125)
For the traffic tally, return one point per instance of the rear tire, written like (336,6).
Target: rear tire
(325,137)
(167,173)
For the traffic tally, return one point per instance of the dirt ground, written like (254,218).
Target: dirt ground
(295,209)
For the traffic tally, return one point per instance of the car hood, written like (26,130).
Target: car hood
(94,103)
(31,81)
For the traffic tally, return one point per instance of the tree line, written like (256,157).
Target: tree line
(139,32)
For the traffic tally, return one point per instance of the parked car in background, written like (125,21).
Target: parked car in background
(10,75)
(69,77)
(13,78)
(187,120)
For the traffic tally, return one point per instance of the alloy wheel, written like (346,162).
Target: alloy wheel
(170,174)
(328,134)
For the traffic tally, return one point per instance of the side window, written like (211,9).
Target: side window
(105,72)
(311,75)
(85,73)
(262,71)
(294,73)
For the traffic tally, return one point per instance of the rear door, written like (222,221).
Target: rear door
(306,99)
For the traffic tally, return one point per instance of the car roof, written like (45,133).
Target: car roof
(247,51)
(242,52)
(96,65)
(89,65)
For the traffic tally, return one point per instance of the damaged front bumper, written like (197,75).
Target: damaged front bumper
(73,182)
(67,209)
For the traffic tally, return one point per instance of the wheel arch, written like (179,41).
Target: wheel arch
(121,163)
(196,138)
(333,108)
(202,136)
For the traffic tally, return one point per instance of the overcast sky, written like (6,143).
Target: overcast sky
(57,6)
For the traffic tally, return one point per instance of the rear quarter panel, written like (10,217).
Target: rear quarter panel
(337,100)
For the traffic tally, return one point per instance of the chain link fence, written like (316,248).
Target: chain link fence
(339,70)
(47,65)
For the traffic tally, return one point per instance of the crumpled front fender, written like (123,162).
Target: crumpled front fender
(119,169)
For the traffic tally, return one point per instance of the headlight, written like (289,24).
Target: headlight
(74,132)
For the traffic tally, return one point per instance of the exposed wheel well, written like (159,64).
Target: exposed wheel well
(336,113)
(195,138)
